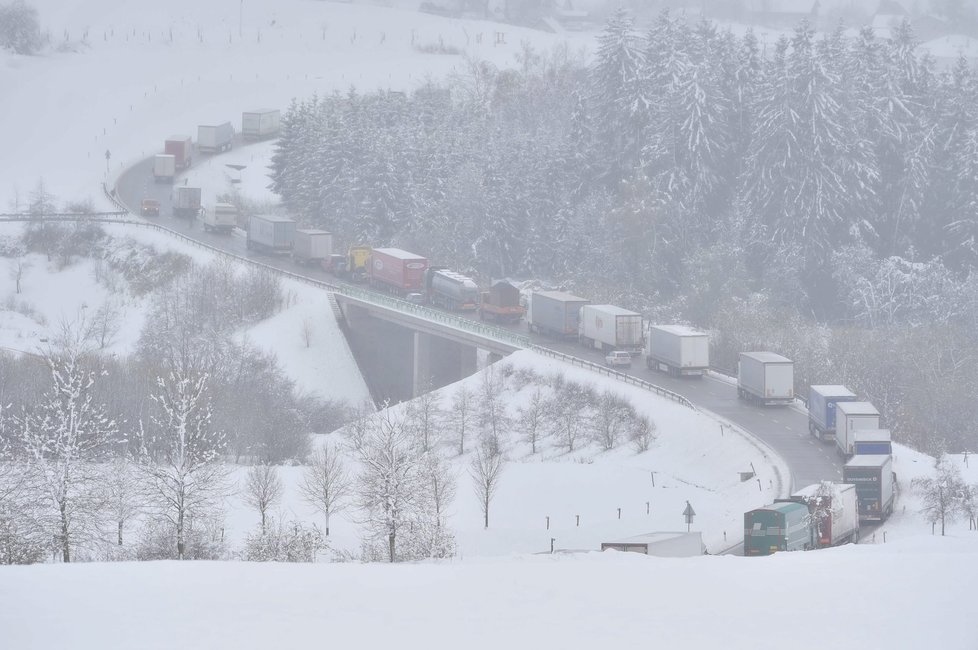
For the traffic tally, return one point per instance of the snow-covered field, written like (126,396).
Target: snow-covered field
(902,596)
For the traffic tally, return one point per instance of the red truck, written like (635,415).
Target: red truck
(180,147)
(396,270)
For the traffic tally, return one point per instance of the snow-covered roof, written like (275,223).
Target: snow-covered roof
(814,489)
(313,231)
(653,538)
(865,460)
(562,296)
(833,390)
(857,408)
(274,218)
(872,435)
(766,357)
(613,310)
(679,330)
(398,253)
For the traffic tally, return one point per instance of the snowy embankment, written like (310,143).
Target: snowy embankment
(913,594)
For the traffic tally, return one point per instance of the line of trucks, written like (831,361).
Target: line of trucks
(178,150)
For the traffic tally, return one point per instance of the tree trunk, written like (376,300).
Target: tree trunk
(262,521)
(65,546)
(485,511)
(120,532)
(180,544)
(390,545)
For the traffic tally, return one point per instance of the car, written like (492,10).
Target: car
(618,358)
(416,298)
(149,208)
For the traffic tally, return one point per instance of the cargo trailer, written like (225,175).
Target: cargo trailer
(777,527)
(312,246)
(607,327)
(215,138)
(181,147)
(451,290)
(222,218)
(765,378)
(186,202)
(396,271)
(555,313)
(164,168)
(833,511)
(849,417)
(260,124)
(873,478)
(677,350)
(872,442)
(822,402)
(270,234)
(501,303)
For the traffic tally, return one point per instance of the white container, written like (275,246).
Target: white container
(607,327)
(261,123)
(838,501)
(678,350)
(850,416)
(660,544)
(164,167)
(223,218)
(214,139)
(312,246)
(766,378)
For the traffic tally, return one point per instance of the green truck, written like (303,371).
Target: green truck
(781,526)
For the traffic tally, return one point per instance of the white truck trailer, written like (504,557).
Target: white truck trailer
(270,233)
(834,512)
(222,218)
(660,544)
(215,138)
(607,327)
(261,123)
(164,167)
(555,313)
(765,378)
(677,350)
(312,246)
(850,416)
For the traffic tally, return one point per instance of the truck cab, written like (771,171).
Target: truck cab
(149,208)
(618,358)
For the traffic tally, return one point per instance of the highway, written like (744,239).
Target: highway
(784,429)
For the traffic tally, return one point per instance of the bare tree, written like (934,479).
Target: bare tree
(531,419)
(462,413)
(61,438)
(263,489)
(945,495)
(424,418)
(325,484)
(611,417)
(391,480)
(22,539)
(641,432)
(123,496)
(18,266)
(181,459)
(486,468)
(569,418)
(103,326)
(492,409)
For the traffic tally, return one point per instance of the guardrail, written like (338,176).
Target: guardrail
(381,300)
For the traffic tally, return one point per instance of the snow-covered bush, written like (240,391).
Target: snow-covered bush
(20,29)
(285,542)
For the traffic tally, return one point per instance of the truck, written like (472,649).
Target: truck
(451,290)
(396,271)
(677,350)
(164,168)
(312,246)
(607,327)
(260,124)
(778,527)
(501,303)
(268,233)
(872,442)
(351,266)
(555,313)
(181,147)
(186,201)
(222,218)
(822,402)
(849,417)
(874,480)
(833,513)
(765,378)
(215,138)
(149,208)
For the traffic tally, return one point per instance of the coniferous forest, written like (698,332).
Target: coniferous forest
(817,197)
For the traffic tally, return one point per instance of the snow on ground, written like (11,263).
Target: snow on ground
(214,177)
(141,72)
(907,595)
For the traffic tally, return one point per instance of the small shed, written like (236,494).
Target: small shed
(664,544)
